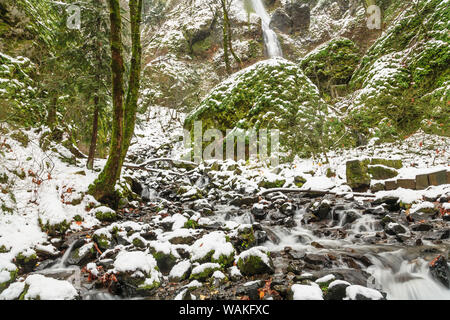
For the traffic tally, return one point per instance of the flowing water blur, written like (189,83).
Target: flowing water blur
(270,37)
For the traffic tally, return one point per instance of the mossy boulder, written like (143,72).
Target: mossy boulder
(255,261)
(204,271)
(105,214)
(82,255)
(379,172)
(138,273)
(271,183)
(103,240)
(299,181)
(180,271)
(164,260)
(271,94)
(26,261)
(331,64)
(245,238)
(360,172)
(214,247)
(357,173)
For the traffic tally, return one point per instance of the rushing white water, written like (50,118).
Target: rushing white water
(270,37)
(406,280)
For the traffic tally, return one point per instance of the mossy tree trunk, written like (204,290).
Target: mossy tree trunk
(227,44)
(51,117)
(103,188)
(92,147)
(124,119)
(226,20)
(225,48)
(135,75)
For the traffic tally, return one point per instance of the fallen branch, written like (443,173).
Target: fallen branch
(134,167)
(319,192)
(173,161)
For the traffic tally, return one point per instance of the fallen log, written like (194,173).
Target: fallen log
(319,192)
(173,161)
(134,167)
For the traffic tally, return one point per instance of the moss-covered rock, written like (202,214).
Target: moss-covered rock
(393,163)
(357,174)
(214,247)
(26,261)
(105,214)
(331,64)
(271,94)
(140,277)
(103,240)
(246,238)
(165,260)
(271,183)
(204,271)
(255,261)
(82,255)
(379,172)
(360,172)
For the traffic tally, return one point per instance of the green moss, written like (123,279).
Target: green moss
(22,175)
(12,278)
(246,238)
(3,178)
(191,224)
(269,94)
(252,265)
(6,209)
(299,181)
(357,174)
(102,241)
(145,288)
(54,229)
(202,276)
(223,260)
(414,94)
(396,164)
(21,137)
(109,216)
(24,292)
(331,64)
(272,184)
(382,173)
(138,243)
(165,261)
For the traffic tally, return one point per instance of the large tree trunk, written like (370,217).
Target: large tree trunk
(226,20)
(225,41)
(103,189)
(51,116)
(92,147)
(135,75)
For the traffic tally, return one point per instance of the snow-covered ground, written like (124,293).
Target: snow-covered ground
(42,189)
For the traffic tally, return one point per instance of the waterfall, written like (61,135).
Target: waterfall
(270,38)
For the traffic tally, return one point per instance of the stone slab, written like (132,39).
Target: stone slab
(407,183)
